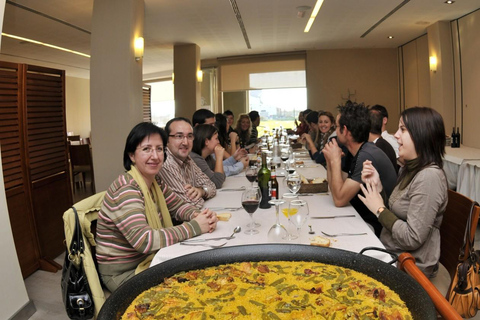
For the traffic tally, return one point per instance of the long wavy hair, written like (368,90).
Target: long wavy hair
(244,136)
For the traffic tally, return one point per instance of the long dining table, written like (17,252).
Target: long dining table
(320,205)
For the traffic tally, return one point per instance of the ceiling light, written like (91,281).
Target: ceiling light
(390,37)
(44,44)
(301,11)
(449,2)
(317,7)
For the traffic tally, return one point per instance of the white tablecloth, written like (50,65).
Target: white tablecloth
(469,179)
(461,166)
(319,205)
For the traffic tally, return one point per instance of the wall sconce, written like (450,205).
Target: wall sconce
(173,77)
(139,42)
(199,75)
(433,64)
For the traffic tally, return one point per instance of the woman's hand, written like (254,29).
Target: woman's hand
(306,137)
(219,150)
(207,219)
(370,175)
(233,137)
(372,198)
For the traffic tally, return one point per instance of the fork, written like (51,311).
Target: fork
(343,234)
(203,245)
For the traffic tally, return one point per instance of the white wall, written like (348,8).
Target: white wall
(77,98)
(13,294)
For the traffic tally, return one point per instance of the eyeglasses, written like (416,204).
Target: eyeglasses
(181,136)
(149,150)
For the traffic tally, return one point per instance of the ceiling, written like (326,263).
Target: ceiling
(270,25)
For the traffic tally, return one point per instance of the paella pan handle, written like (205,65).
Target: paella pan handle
(393,255)
(407,264)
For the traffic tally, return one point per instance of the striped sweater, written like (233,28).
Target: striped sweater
(124,237)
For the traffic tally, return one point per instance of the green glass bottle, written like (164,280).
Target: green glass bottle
(263,179)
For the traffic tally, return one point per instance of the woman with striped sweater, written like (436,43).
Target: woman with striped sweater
(136,216)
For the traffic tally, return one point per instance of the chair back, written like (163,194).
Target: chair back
(87,210)
(80,155)
(452,231)
(73,138)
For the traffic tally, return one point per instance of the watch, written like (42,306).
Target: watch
(206,190)
(380,210)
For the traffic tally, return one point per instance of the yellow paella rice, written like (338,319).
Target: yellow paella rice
(269,290)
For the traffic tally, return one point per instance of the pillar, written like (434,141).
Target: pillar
(187,89)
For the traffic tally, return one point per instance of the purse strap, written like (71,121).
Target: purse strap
(467,237)
(77,245)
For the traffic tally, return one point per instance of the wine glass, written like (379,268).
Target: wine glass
(289,197)
(251,174)
(277,232)
(298,212)
(293,182)
(250,200)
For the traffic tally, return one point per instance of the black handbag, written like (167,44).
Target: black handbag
(76,293)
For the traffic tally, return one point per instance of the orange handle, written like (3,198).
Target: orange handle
(407,264)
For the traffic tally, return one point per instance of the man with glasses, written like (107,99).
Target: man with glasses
(179,171)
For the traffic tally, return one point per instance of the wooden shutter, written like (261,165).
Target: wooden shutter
(47,155)
(147,105)
(14,167)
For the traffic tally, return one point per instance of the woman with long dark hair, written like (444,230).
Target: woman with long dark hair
(413,214)
(205,144)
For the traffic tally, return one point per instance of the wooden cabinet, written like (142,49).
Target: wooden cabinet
(35,161)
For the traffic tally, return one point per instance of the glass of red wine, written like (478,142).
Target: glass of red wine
(250,200)
(251,174)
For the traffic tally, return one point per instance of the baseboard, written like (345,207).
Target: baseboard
(25,312)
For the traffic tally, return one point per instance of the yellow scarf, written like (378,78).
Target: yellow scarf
(151,211)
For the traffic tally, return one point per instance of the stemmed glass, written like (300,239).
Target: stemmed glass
(289,197)
(293,182)
(298,212)
(250,200)
(277,232)
(251,174)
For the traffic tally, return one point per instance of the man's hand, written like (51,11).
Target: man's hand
(239,154)
(194,193)
(332,151)
(245,161)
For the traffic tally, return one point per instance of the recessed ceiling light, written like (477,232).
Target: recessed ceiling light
(390,37)
(450,2)
(22,39)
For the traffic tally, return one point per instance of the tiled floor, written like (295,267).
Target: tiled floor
(44,289)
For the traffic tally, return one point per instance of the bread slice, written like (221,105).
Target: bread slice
(225,216)
(320,241)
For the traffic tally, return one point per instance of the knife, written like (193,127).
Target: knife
(333,217)
(233,189)
(225,208)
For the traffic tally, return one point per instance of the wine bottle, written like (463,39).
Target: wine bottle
(263,179)
(453,139)
(274,188)
(458,137)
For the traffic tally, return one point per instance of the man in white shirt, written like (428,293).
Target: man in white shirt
(385,135)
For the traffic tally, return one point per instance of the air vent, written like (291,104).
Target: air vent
(240,22)
(385,18)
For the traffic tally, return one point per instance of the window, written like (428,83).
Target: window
(163,103)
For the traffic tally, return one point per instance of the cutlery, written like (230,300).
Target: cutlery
(343,234)
(203,245)
(226,208)
(333,217)
(236,230)
(233,189)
